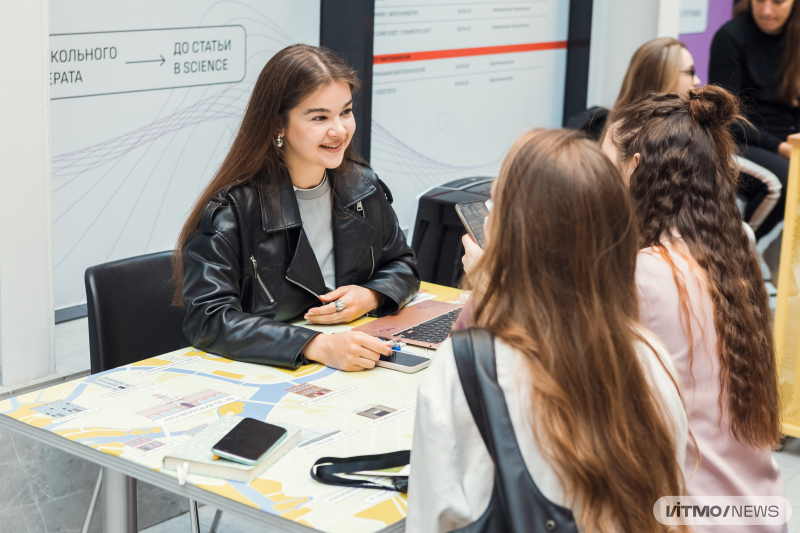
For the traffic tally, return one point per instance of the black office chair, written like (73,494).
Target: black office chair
(131,317)
(438,229)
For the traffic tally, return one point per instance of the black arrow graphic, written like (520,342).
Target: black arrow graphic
(149,61)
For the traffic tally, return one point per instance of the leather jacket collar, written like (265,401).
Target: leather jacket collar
(279,209)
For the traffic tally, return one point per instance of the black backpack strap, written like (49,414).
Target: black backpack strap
(325,469)
(466,343)
(516,498)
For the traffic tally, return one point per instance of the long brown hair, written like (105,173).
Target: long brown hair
(287,79)
(685,182)
(654,68)
(789,90)
(558,286)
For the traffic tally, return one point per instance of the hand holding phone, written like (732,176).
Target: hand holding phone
(473,216)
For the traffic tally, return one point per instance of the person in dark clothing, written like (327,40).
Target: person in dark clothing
(752,56)
(293,225)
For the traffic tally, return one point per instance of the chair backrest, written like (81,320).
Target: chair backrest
(438,229)
(591,121)
(131,316)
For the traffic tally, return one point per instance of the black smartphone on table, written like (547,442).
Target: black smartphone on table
(249,441)
(473,215)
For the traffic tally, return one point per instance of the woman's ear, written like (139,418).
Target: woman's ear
(635,161)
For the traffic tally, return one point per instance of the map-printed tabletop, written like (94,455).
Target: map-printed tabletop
(141,411)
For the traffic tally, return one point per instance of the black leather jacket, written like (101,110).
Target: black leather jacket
(249,267)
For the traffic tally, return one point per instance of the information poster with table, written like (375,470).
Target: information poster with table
(142,411)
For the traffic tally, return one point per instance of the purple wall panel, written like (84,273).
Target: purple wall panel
(699,44)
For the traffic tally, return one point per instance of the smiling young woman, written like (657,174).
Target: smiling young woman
(293,225)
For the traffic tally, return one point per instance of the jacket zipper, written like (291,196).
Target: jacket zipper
(255,269)
(360,210)
(372,255)
(302,286)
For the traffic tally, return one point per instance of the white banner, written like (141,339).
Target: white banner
(94,64)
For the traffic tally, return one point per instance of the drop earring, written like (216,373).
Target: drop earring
(280,141)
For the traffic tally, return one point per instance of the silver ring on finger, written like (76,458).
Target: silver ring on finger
(339,305)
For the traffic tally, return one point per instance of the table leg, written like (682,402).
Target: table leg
(215,523)
(90,513)
(193,516)
(119,503)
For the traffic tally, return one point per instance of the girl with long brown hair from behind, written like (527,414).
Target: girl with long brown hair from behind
(592,397)
(700,285)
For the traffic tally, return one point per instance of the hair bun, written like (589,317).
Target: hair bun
(713,106)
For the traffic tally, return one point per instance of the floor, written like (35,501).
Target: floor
(789,461)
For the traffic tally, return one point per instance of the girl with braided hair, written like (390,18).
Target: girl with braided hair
(700,287)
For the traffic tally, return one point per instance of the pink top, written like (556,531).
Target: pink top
(727,467)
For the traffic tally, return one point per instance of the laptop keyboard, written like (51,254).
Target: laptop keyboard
(433,331)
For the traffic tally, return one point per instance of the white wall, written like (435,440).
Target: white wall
(619,27)
(26,264)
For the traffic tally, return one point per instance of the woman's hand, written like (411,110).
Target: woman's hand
(349,350)
(785,149)
(472,253)
(357,302)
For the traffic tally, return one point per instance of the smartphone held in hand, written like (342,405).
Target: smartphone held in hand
(473,215)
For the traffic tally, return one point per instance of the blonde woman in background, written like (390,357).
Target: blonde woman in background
(662,65)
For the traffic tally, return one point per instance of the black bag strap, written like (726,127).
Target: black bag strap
(517,504)
(465,344)
(325,469)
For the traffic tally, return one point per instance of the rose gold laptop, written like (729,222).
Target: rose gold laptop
(425,324)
